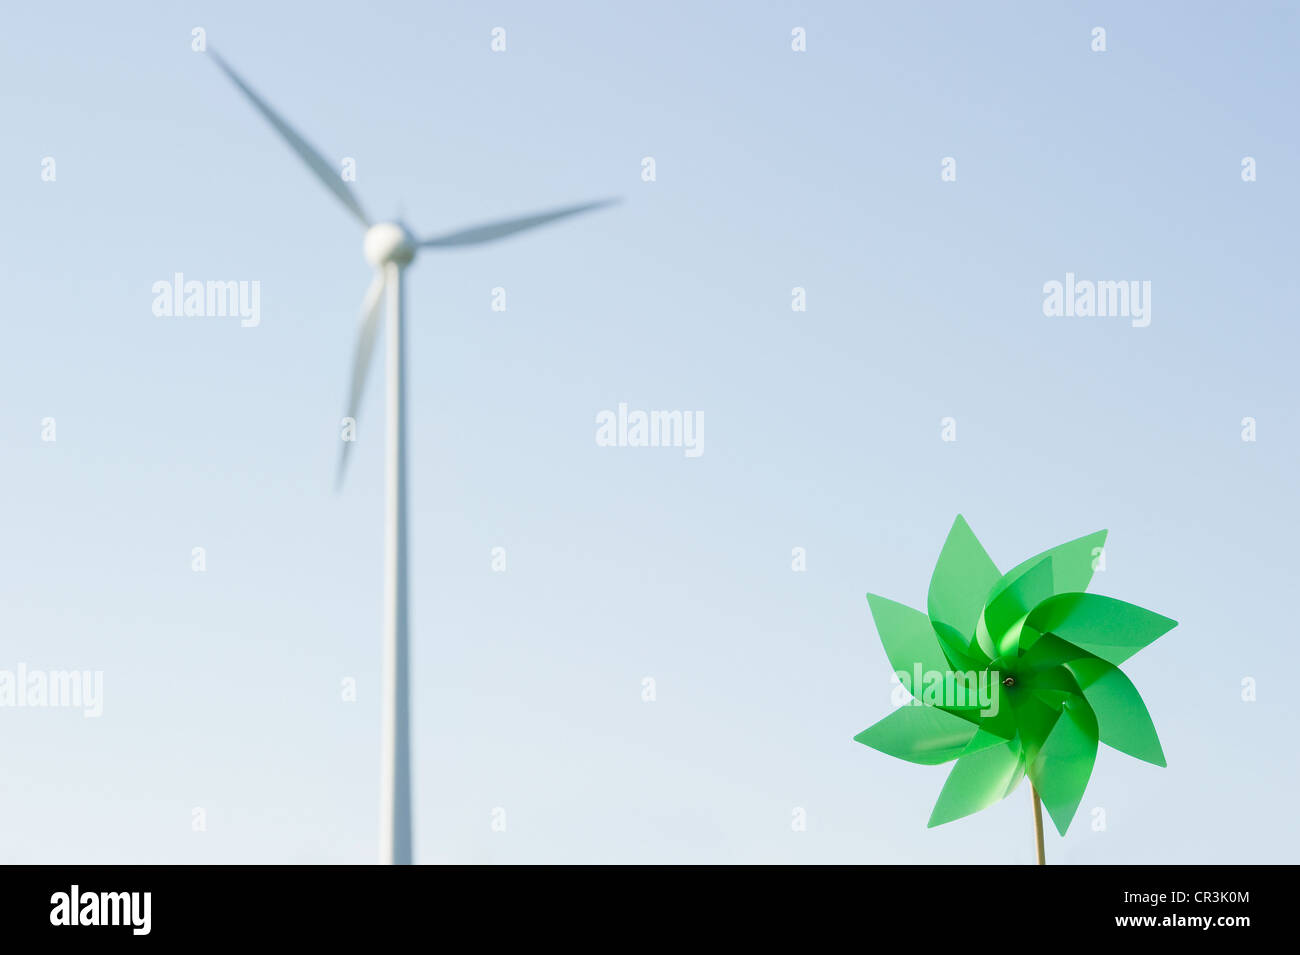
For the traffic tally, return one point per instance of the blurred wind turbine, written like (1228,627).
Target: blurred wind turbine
(390,248)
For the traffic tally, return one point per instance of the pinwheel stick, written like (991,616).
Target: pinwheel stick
(1038,825)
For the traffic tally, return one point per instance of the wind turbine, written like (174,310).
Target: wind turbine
(390,247)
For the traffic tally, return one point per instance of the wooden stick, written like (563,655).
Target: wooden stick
(1038,826)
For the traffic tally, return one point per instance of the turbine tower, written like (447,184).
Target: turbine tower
(390,247)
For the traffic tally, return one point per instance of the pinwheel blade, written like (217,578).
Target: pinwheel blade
(909,641)
(978,780)
(499,230)
(1034,719)
(1047,651)
(1063,765)
(961,581)
(1105,627)
(367,332)
(325,172)
(983,739)
(1051,680)
(1072,564)
(919,734)
(998,631)
(1122,718)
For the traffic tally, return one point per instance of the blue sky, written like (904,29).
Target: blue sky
(775,169)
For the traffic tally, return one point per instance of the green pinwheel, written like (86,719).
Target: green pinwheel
(1015,675)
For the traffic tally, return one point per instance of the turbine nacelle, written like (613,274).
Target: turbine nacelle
(389,242)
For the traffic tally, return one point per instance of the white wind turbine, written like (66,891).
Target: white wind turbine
(390,247)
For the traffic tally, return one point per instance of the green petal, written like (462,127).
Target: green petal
(979,779)
(1062,766)
(960,583)
(1048,651)
(908,639)
(1052,679)
(1003,722)
(919,734)
(1105,627)
(962,657)
(1034,718)
(983,739)
(1122,718)
(1011,606)
(1071,563)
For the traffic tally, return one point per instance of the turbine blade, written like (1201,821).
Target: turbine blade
(499,230)
(315,162)
(368,331)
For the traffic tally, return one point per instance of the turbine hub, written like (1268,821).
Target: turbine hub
(389,242)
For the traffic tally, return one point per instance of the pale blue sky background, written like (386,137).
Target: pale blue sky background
(775,169)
